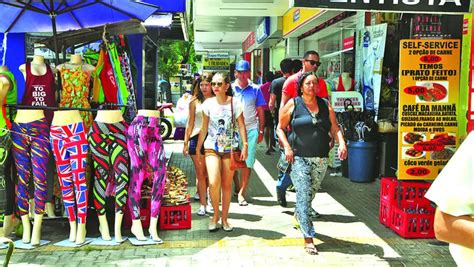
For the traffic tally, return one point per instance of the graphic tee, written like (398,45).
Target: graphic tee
(219,136)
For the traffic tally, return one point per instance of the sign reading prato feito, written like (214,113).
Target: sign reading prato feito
(423,6)
(429,92)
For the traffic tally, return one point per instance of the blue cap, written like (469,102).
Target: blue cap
(242,65)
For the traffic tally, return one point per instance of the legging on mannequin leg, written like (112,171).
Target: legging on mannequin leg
(307,175)
(31,152)
(146,148)
(108,145)
(69,144)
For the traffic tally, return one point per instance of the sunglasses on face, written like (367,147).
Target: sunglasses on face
(314,62)
(218,84)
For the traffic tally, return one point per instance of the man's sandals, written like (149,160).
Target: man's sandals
(311,249)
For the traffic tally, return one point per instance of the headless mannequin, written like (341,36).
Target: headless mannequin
(347,81)
(9,222)
(77,231)
(75,61)
(137,228)
(110,116)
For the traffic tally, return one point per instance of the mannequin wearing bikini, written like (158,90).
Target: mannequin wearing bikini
(108,145)
(146,119)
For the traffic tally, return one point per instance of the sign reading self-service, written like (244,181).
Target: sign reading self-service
(429,91)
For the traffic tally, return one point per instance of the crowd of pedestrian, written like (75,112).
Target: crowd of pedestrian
(226,116)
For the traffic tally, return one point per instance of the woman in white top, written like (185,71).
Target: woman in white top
(201,92)
(220,137)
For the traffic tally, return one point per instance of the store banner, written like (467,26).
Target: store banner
(429,92)
(373,49)
(215,63)
(295,18)
(430,6)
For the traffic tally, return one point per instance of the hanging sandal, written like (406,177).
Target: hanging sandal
(311,249)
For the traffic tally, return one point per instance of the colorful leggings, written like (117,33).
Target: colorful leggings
(108,145)
(31,153)
(70,148)
(146,153)
(307,175)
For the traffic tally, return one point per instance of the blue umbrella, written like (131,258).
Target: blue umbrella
(61,15)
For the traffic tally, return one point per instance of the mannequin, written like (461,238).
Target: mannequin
(108,145)
(40,91)
(8,95)
(70,147)
(345,83)
(146,149)
(75,77)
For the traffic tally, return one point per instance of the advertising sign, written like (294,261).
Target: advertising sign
(423,6)
(216,64)
(429,91)
(297,17)
(263,30)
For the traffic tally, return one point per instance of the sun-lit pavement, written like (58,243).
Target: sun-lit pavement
(348,232)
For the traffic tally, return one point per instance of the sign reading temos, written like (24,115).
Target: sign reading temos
(436,6)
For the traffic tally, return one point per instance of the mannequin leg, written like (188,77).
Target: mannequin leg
(81,233)
(154,229)
(50,210)
(104,227)
(9,224)
(36,236)
(50,178)
(157,158)
(25,220)
(137,230)
(118,227)
(72,231)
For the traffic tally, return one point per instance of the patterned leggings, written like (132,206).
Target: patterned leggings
(70,148)
(307,175)
(31,153)
(108,145)
(146,152)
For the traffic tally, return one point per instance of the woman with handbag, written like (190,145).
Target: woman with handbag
(202,91)
(219,115)
(313,123)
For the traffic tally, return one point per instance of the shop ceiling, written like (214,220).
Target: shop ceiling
(224,24)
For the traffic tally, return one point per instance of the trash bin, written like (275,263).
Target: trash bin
(362,161)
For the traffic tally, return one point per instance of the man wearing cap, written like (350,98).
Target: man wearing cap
(253,102)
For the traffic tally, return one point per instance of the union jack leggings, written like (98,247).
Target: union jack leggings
(108,145)
(148,158)
(69,145)
(31,152)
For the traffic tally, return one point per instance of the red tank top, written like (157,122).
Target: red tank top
(39,91)
(340,86)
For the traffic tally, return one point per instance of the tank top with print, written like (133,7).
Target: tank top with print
(39,90)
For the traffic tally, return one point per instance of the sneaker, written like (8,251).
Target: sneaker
(281,197)
(201,211)
(196,196)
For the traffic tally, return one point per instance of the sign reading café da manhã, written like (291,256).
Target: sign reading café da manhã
(429,89)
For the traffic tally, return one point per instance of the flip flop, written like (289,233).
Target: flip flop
(311,249)
(243,202)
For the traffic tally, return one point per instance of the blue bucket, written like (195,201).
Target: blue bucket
(362,161)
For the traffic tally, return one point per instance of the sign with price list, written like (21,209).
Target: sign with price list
(429,91)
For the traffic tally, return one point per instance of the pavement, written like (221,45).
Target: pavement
(349,232)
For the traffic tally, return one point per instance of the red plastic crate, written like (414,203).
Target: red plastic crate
(394,192)
(175,217)
(145,212)
(388,187)
(415,224)
(385,212)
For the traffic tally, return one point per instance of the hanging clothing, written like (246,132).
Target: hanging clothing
(147,157)
(105,83)
(75,93)
(131,109)
(122,94)
(40,90)
(70,147)
(108,145)
(31,154)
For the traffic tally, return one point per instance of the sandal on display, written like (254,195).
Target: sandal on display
(311,249)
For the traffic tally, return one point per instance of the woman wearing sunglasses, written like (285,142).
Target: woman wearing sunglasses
(312,122)
(202,91)
(220,129)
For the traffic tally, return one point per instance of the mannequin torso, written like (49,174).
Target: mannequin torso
(346,83)
(148,113)
(75,62)
(109,116)
(38,67)
(66,117)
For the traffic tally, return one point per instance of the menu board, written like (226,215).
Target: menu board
(429,91)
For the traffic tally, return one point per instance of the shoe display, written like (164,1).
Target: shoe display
(201,211)
(176,188)
(281,198)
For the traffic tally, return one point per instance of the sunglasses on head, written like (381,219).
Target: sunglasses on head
(219,84)
(314,62)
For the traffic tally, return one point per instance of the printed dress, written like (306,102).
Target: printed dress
(75,92)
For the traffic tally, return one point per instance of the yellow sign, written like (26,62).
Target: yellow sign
(297,17)
(429,92)
(216,64)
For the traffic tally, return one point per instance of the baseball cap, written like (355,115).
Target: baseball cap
(242,65)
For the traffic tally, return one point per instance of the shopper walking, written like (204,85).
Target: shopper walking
(269,127)
(312,122)
(201,92)
(253,102)
(219,117)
